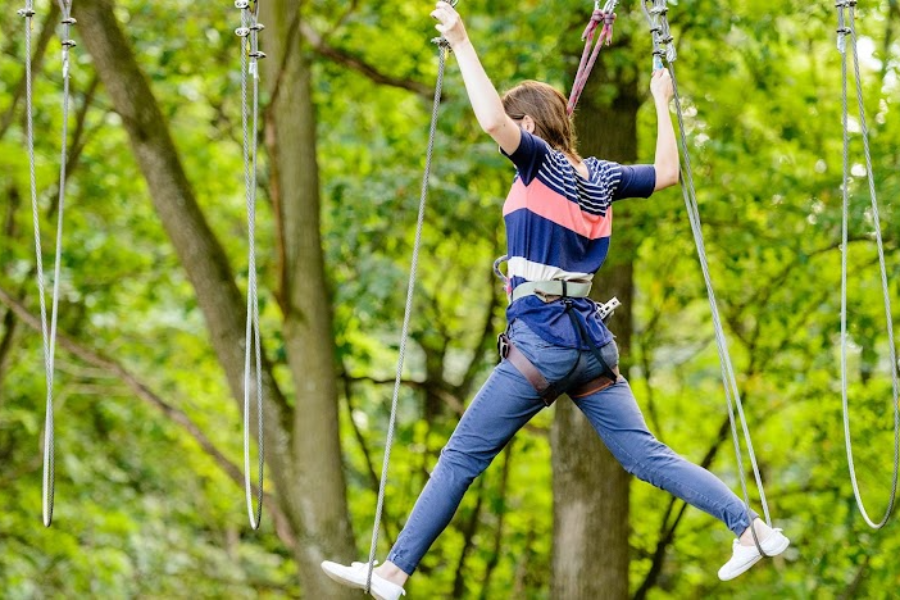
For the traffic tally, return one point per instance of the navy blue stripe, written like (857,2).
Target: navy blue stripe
(541,240)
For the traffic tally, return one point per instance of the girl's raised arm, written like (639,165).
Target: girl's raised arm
(482,94)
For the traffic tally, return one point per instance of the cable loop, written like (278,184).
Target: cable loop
(253,365)
(48,331)
(885,289)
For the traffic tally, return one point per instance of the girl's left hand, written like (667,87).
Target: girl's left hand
(450,25)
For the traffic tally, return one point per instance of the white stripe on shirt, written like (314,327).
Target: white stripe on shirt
(535,271)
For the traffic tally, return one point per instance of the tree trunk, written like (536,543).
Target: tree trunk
(309,337)
(292,466)
(590,488)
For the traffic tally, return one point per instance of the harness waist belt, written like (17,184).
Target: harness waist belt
(551,290)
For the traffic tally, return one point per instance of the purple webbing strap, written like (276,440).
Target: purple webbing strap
(589,56)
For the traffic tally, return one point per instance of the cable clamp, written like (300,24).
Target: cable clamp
(68,21)
(242,32)
(69,44)
(242,4)
(441,42)
(257,27)
(258,55)
(26,12)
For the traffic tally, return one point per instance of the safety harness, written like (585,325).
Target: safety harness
(565,292)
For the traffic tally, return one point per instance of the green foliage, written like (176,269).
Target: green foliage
(143,511)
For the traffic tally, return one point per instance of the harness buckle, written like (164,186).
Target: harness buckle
(503,345)
(605,311)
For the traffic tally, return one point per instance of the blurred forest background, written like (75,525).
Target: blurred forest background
(149,451)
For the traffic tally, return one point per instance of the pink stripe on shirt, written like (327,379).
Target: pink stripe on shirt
(539,199)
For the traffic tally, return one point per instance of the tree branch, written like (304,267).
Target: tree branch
(374,479)
(448,398)
(342,57)
(143,392)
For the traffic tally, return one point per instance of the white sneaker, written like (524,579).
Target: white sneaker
(355,576)
(744,557)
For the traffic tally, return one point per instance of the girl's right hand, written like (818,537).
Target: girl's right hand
(661,85)
(450,24)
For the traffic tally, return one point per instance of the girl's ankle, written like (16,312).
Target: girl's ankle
(392,573)
(762,532)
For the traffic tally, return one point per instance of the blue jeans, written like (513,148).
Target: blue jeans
(507,401)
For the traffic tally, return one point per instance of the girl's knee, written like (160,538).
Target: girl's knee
(462,463)
(648,458)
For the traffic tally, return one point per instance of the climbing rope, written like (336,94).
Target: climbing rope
(250,57)
(443,47)
(48,335)
(843,31)
(663,47)
(605,16)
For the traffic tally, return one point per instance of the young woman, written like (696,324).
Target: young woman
(558,216)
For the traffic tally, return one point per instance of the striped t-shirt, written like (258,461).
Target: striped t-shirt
(558,226)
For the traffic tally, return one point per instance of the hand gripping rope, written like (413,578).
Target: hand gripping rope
(606,17)
(655,11)
(843,31)
(249,34)
(443,47)
(48,336)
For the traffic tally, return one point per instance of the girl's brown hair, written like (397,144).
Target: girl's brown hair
(547,107)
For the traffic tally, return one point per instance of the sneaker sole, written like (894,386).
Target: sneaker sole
(350,583)
(771,552)
(780,547)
